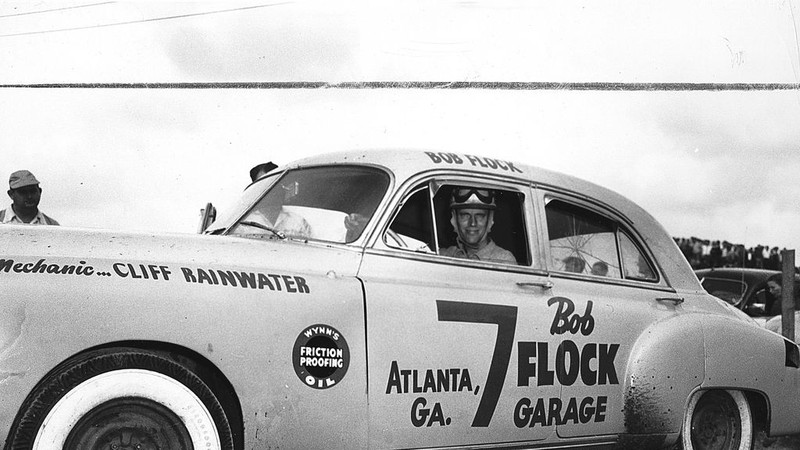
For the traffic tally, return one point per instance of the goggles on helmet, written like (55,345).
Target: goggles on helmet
(472,198)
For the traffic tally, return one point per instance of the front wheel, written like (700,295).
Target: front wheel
(717,420)
(120,399)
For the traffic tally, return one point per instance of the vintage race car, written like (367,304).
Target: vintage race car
(334,307)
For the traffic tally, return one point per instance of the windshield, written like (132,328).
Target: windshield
(332,203)
(227,218)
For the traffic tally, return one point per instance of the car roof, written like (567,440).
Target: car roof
(748,274)
(737,273)
(407,163)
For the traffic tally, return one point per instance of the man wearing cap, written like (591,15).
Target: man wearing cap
(25,194)
(262,169)
(472,217)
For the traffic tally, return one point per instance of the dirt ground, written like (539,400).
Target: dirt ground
(782,443)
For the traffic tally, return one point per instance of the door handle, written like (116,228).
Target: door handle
(542,284)
(674,300)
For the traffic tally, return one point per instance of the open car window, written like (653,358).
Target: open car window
(585,242)
(425,224)
(331,204)
(412,227)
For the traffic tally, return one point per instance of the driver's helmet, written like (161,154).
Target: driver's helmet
(472,198)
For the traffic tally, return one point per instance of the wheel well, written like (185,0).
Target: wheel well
(759,409)
(202,367)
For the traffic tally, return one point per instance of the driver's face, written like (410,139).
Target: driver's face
(473,225)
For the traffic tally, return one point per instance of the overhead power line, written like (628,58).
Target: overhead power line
(447,85)
(43,11)
(152,19)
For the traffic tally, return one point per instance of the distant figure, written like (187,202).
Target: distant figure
(261,170)
(574,264)
(600,269)
(715,255)
(775,324)
(25,193)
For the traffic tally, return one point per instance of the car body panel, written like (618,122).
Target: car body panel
(246,332)
(440,352)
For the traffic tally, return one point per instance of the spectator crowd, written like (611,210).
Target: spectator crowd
(703,253)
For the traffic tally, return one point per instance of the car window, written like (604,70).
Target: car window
(412,227)
(636,265)
(586,242)
(428,222)
(324,203)
(581,241)
(731,291)
(250,196)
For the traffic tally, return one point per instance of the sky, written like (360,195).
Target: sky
(717,163)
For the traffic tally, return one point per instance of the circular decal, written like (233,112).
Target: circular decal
(320,356)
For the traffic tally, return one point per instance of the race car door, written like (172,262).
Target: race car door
(607,292)
(442,331)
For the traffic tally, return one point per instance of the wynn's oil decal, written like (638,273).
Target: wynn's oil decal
(320,356)
(291,284)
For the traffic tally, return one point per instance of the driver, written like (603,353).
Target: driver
(472,216)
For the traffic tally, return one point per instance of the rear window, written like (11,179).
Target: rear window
(731,291)
(586,242)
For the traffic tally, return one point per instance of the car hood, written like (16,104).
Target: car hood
(25,243)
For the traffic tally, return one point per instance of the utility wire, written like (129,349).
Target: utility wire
(132,22)
(53,10)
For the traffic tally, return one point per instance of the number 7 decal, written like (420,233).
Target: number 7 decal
(505,317)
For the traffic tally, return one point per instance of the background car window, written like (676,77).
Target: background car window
(763,304)
(581,241)
(731,291)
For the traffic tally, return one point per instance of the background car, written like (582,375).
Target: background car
(744,288)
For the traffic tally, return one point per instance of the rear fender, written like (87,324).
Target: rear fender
(665,366)
(758,361)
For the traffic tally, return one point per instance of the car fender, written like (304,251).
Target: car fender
(753,359)
(665,366)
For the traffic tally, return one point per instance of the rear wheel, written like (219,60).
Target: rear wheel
(120,399)
(718,420)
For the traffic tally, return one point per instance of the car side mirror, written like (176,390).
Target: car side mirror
(207,217)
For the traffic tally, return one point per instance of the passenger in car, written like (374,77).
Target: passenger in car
(775,324)
(600,269)
(574,264)
(472,217)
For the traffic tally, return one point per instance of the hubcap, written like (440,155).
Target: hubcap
(715,424)
(129,424)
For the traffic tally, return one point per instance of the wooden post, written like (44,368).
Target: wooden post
(787,294)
